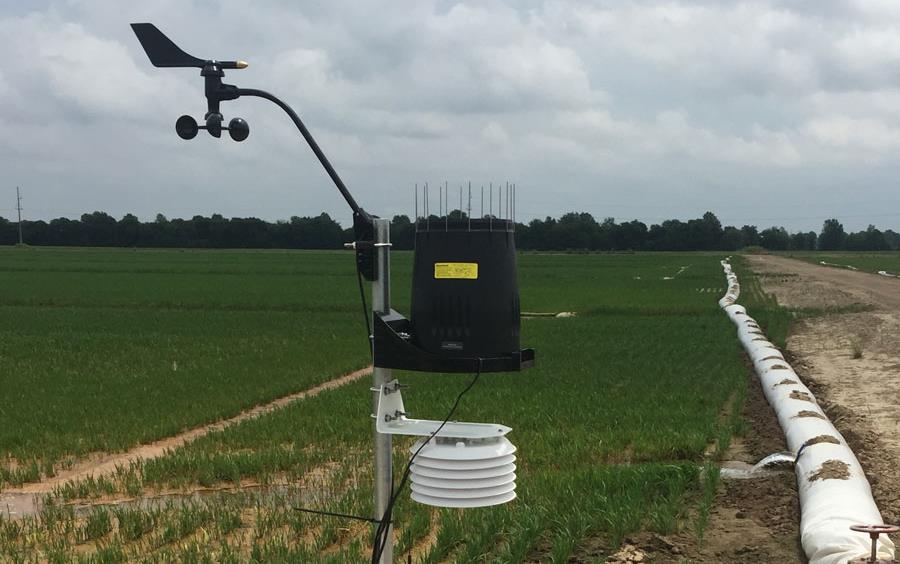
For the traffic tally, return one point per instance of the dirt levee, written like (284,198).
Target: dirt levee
(851,361)
(105,464)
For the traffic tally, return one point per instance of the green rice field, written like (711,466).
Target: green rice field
(887,261)
(618,427)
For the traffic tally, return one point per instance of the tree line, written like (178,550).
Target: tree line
(572,231)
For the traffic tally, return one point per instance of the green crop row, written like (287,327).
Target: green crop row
(613,425)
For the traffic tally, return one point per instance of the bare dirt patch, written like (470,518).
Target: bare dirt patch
(850,361)
(755,520)
(106,464)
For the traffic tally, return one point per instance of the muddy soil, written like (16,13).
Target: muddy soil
(752,520)
(851,361)
(755,520)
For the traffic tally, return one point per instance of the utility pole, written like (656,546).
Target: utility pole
(19,209)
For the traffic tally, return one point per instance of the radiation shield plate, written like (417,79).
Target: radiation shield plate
(390,419)
(450,464)
(472,455)
(469,483)
(463,503)
(457,493)
(461,476)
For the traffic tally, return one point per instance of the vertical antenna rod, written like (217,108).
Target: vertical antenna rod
(482,201)
(491,199)
(469,207)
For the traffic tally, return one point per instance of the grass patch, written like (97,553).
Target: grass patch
(612,425)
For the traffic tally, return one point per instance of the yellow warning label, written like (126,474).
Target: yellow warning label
(457,270)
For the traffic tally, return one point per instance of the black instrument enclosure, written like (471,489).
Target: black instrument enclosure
(465,302)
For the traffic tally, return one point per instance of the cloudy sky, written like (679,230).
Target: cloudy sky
(763,112)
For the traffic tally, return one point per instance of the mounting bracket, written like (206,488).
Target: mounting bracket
(391,419)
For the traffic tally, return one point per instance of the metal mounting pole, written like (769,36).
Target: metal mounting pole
(381,303)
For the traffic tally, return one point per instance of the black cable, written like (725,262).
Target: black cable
(409,546)
(365,307)
(362,296)
(333,514)
(381,534)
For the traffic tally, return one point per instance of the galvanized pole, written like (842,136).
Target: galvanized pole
(381,303)
(19,208)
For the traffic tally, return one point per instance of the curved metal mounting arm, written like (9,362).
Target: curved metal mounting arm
(163,52)
(310,141)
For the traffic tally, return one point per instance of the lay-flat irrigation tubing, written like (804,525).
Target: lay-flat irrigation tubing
(833,489)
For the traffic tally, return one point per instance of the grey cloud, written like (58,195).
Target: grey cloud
(629,109)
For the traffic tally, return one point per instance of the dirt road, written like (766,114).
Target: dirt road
(851,361)
(23,500)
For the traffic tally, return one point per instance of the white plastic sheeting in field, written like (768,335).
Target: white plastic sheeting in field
(833,489)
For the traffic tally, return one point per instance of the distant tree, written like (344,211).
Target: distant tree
(574,231)
(709,236)
(775,239)
(749,236)
(8,234)
(403,232)
(803,241)
(732,239)
(673,235)
(833,237)
(99,228)
(538,235)
(603,235)
(629,236)
(869,240)
(129,230)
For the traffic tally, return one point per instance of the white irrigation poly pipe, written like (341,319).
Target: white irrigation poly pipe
(833,489)
(847,266)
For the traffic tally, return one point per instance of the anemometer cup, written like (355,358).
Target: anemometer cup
(214,124)
(238,129)
(186,127)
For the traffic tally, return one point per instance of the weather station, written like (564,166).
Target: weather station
(465,318)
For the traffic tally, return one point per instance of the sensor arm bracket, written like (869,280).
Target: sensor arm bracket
(326,164)
(391,419)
